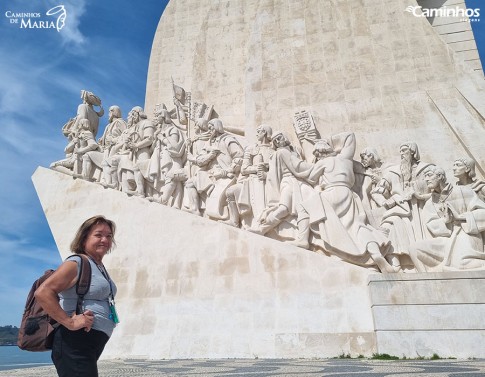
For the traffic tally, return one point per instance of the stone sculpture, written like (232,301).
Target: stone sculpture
(139,147)
(372,173)
(402,192)
(369,213)
(93,160)
(455,221)
(167,162)
(85,111)
(112,173)
(287,187)
(81,142)
(335,215)
(464,171)
(219,163)
(247,199)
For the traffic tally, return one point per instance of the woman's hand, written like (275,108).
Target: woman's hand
(81,321)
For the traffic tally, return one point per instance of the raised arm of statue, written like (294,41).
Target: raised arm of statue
(344,144)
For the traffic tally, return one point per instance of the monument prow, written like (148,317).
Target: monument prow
(189,287)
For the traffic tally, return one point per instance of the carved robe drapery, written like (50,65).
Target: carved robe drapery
(458,245)
(338,220)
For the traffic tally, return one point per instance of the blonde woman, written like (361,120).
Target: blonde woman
(81,337)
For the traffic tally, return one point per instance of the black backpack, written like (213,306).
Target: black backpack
(37,327)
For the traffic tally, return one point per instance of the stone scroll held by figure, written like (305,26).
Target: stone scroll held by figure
(306,131)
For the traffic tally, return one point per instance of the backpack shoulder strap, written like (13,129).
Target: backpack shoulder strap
(84,281)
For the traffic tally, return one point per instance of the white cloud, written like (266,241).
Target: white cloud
(71,35)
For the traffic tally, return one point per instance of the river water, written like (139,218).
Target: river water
(12,357)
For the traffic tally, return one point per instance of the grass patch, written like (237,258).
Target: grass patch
(383,356)
(386,356)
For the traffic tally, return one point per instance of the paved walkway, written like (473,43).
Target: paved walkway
(268,368)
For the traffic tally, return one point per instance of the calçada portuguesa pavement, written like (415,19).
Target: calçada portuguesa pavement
(275,367)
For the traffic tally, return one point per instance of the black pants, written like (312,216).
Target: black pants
(75,353)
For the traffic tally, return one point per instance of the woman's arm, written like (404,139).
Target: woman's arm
(47,294)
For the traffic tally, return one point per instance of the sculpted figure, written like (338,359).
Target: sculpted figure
(335,215)
(196,143)
(134,167)
(118,167)
(247,198)
(107,144)
(374,170)
(286,188)
(195,146)
(66,165)
(464,170)
(455,220)
(219,163)
(166,169)
(86,111)
(402,192)
(82,141)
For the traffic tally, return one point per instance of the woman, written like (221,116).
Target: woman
(80,338)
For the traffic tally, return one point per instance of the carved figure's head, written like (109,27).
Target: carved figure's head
(280,140)
(409,150)
(409,155)
(215,127)
(322,148)
(435,178)
(464,167)
(369,157)
(114,113)
(136,115)
(264,132)
(162,115)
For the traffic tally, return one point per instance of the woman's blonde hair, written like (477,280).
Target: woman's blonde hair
(77,244)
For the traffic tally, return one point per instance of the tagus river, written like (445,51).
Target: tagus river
(11,357)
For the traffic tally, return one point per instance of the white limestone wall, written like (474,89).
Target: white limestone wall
(368,66)
(418,315)
(456,33)
(189,287)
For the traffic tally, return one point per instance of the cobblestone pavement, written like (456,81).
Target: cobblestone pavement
(267,368)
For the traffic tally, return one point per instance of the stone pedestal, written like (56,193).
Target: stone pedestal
(189,287)
(424,314)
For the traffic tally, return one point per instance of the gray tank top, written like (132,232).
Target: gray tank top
(96,300)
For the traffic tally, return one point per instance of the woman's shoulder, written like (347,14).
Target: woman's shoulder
(73,258)
(78,259)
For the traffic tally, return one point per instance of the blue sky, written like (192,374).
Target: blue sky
(104,47)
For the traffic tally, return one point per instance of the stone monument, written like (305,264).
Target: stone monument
(282,207)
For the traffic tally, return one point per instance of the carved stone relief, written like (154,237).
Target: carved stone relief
(375,214)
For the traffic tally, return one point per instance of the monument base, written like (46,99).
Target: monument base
(189,287)
(418,315)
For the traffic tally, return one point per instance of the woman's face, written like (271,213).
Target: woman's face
(98,241)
